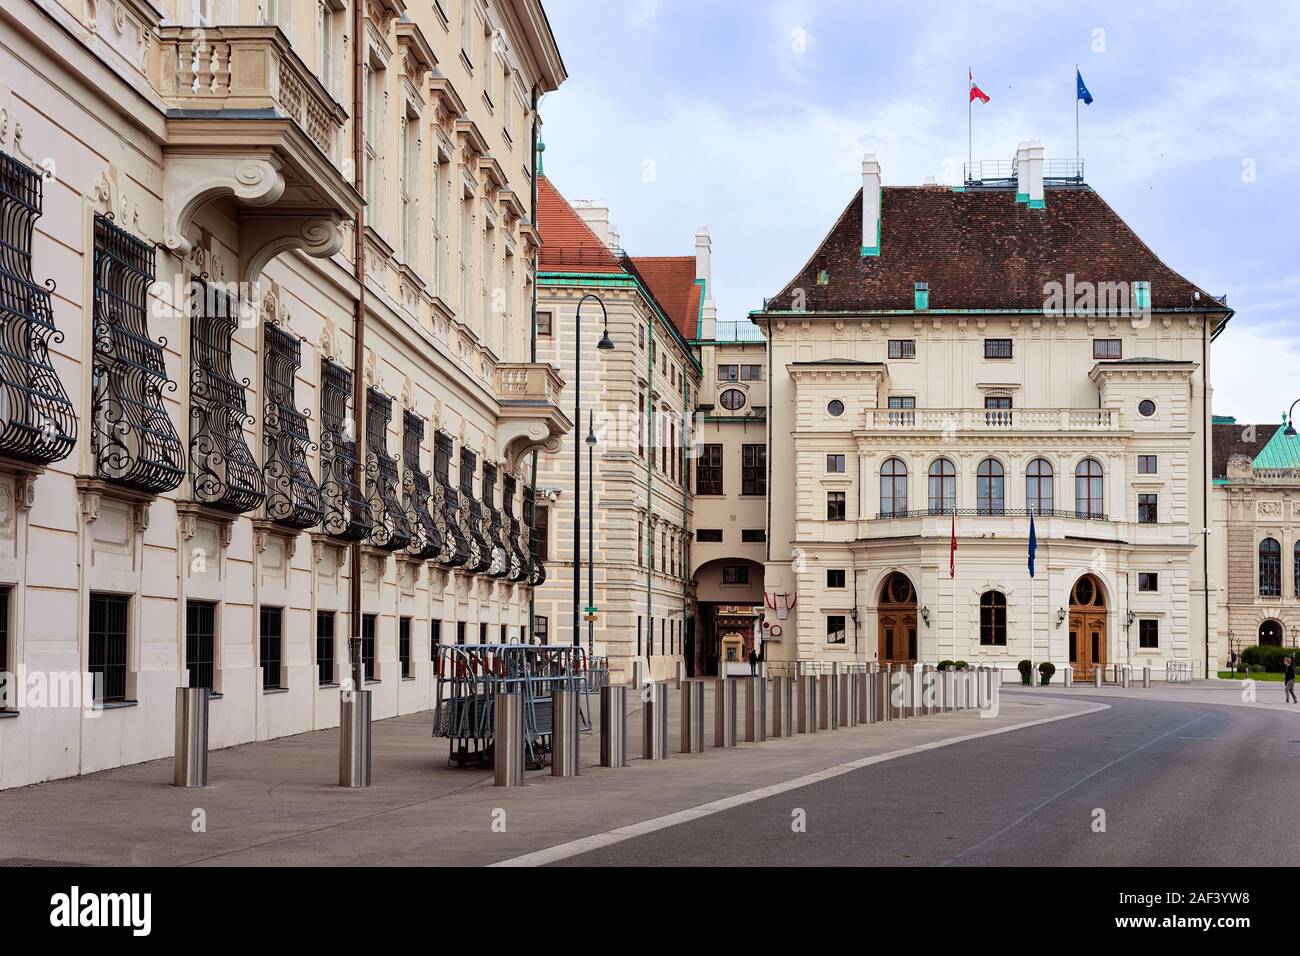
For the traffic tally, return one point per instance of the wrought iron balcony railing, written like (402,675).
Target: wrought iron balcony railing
(472,519)
(992,419)
(516,538)
(38,424)
(446,506)
(293,498)
(493,528)
(223,473)
(537,568)
(426,540)
(390,528)
(993,511)
(346,514)
(135,444)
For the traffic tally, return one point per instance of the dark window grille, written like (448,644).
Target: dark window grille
(293,498)
(471,515)
(270,643)
(426,540)
(902,348)
(346,514)
(1148,633)
(516,534)
(390,529)
(990,488)
(493,528)
(446,505)
(893,487)
(435,638)
(1107,348)
(835,505)
(134,442)
(200,642)
(325,647)
(107,645)
(38,423)
(753,469)
(1148,509)
(1039,487)
(993,619)
(542,630)
(368,645)
(708,473)
(1089,499)
(943,487)
(997,348)
(4,644)
(223,473)
(538,520)
(404,645)
(1270,568)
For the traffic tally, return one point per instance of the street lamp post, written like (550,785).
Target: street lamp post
(1290,422)
(605,344)
(591,530)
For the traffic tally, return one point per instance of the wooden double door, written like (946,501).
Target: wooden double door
(1087,642)
(897,636)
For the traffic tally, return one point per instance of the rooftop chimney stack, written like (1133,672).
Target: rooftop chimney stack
(704,271)
(1022,173)
(1034,160)
(870,205)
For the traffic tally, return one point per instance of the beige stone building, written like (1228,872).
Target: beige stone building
(636,401)
(951,360)
(1256,510)
(201,198)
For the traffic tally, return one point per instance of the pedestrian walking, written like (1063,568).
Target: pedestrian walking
(1289,678)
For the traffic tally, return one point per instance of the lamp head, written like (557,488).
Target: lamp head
(605,344)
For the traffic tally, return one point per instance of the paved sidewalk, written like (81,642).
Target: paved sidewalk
(1268,694)
(276,803)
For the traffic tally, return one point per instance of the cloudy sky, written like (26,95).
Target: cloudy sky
(751,117)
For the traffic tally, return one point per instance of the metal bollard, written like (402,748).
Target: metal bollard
(1146,676)
(807,694)
(654,726)
(1127,674)
(566,740)
(756,710)
(508,744)
(724,712)
(692,716)
(638,674)
(849,699)
(354,740)
(898,694)
(867,701)
(782,707)
(679,675)
(1067,674)
(828,702)
(977,687)
(613,725)
(1096,676)
(191,737)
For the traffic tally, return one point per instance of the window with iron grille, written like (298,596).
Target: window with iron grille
(389,528)
(446,504)
(835,505)
(38,424)
(902,348)
(426,541)
(493,526)
(753,469)
(542,531)
(735,574)
(471,515)
(346,513)
(1148,633)
(223,473)
(368,646)
(293,498)
(4,646)
(752,535)
(514,533)
(835,577)
(1107,348)
(893,488)
(1040,486)
(107,649)
(943,487)
(325,647)
(134,442)
(997,348)
(404,645)
(1089,494)
(271,645)
(1148,510)
(708,473)
(1270,568)
(836,629)
(993,619)
(200,642)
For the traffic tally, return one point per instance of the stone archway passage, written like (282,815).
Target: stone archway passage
(1087,627)
(1270,634)
(896,611)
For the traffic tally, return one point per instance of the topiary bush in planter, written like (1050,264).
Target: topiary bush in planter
(961,665)
(1026,669)
(946,665)
(1045,672)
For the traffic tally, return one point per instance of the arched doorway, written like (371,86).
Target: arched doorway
(1087,627)
(897,616)
(1270,634)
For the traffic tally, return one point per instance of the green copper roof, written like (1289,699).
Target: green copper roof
(1280,452)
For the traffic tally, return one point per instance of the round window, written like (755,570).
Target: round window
(1146,408)
(836,407)
(732,399)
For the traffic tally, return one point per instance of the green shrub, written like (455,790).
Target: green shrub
(1026,671)
(946,665)
(1045,671)
(962,665)
(1269,658)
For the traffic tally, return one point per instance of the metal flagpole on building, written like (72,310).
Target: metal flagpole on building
(1076,117)
(970,154)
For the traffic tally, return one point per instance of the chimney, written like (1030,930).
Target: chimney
(1029,174)
(1022,173)
(596,217)
(704,271)
(870,205)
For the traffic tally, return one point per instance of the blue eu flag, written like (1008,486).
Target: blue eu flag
(1033,543)
(1082,91)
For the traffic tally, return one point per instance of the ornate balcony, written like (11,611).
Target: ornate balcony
(293,498)
(390,529)
(1052,420)
(346,514)
(38,424)
(246,119)
(530,417)
(446,506)
(473,521)
(515,534)
(536,569)
(494,529)
(426,540)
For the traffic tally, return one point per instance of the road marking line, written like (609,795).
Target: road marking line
(596,841)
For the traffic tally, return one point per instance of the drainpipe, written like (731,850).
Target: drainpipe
(359,321)
(1206,456)
(650,494)
(532,342)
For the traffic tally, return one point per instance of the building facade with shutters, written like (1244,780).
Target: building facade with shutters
(951,360)
(200,198)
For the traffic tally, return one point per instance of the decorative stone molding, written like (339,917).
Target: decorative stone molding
(320,236)
(91,491)
(191,181)
(190,513)
(264,531)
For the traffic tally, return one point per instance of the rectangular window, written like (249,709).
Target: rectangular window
(460,632)
(1148,633)
(641,426)
(404,645)
(728,373)
(1147,511)
(200,642)
(711,535)
(325,72)
(542,629)
(836,630)
(542,531)
(902,348)
(270,637)
(482,633)
(751,373)
(902,401)
(544,325)
(753,469)
(638,635)
(753,535)
(107,637)
(735,574)
(708,473)
(997,348)
(435,638)
(1147,464)
(436,233)
(835,506)
(1107,348)
(835,577)
(325,648)
(368,646)
(835,464)
(997,401)
(921,296)
(408,186)
(1148,581)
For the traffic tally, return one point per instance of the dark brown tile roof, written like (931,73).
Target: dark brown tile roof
(979,249)
(568,244)
(671,280)
(1229,440)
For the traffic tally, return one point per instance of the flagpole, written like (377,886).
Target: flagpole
(1076,116)
(970,145)
(952,573)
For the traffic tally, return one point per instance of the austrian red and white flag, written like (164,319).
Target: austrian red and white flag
(975,92)
(952,552)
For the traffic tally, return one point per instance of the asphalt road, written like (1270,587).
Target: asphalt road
(1179,784)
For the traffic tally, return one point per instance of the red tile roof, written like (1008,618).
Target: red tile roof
(1232,439)
(980,249)
(568,244)
(671,280)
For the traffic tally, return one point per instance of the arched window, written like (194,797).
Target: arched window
(993,618)
(990,488)
(943,487)
(1270,568)
(1039,486)
(893,487)
(1088,499)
